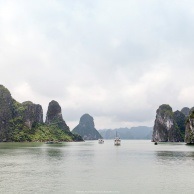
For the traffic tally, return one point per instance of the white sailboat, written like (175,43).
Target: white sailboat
(117,140)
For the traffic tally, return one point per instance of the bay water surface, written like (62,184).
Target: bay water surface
(137,166)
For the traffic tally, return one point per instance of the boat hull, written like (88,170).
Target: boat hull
(117,142)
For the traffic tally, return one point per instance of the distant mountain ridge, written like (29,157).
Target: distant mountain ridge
(141,132)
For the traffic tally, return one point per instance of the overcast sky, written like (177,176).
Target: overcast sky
(117,60)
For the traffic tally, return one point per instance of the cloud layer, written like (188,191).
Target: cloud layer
(116,60)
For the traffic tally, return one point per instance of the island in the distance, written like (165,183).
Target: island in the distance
(86,128)
(21,122)
(133,133)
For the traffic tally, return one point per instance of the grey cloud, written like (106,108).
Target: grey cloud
(113,59)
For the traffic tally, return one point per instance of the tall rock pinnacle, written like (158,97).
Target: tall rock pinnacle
(165,127)
(86,128)
(54,116)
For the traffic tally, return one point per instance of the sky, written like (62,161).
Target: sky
(117,60)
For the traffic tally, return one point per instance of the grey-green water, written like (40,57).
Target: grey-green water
(89,167)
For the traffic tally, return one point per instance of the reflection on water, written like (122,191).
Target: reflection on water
(171,157)
(175,152)
(18,145)
(54,151)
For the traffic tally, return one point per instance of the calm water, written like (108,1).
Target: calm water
(89,167)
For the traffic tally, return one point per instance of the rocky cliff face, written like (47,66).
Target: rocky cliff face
(54,116)
(191,111)
(6,113)
(189,132)
(180,120)
(86,128)
(185,111)
(165,127)
(16,116)
(27,113)
(33,114)
(24,121)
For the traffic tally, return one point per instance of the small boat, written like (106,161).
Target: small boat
(117,140)
(155,143)
(49,142)
(101,141)
(53,142)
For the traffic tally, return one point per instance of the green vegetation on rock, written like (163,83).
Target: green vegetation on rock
(42,133)
(165,110)
(54,116)
(180,120)
(21,122)
(189,132)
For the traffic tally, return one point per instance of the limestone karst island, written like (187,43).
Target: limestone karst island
(175,126)
(24,121)
(21,122)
